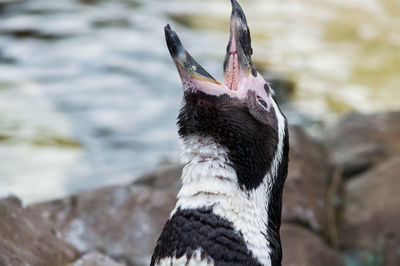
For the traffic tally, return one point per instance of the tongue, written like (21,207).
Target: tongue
(232,74)
(237,64)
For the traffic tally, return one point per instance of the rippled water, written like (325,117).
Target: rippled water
(89,94)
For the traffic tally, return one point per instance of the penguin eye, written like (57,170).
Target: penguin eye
(262,102)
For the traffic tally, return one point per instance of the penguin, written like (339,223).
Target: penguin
(235,151)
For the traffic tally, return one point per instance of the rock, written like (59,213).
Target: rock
(121,222)
(95,259)
(304,195)
(25,238)
(164,177)
(371,215)
(358,141)
(301,247)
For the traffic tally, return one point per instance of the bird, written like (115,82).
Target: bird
(235,154)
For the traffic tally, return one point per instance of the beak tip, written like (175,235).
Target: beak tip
(237,12)
(182,58)
(240,40)
(235,4)
(174,44)
(167,28)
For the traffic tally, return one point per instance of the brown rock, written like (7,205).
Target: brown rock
(301,247)
(121,222)
(371,214)
(304,195)
(25,238)
(358,141)
(95,259)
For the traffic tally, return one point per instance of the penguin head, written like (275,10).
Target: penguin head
(239,114)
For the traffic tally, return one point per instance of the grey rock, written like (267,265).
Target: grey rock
(304,195)
(122,222)
(301,247)
(26,239)
(359,142)
(371,215)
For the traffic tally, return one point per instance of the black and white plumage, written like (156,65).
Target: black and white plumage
(235,141)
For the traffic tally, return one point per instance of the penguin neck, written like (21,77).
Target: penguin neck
(209,180)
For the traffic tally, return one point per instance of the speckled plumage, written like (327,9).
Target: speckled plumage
(198,235)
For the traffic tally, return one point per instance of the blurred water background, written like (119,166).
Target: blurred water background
(89,95)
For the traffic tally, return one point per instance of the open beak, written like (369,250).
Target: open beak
(237,64)
(238,67)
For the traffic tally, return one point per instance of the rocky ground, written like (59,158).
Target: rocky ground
(341,207)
